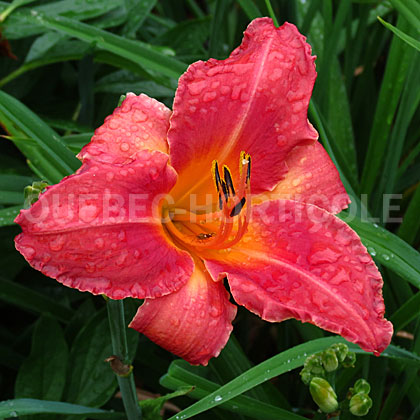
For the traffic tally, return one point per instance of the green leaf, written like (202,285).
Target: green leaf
(151,408)
(91,381)
(11,197)
(277,365)
(136,51)
(13,6)
(123,81)
(34,302)
(137,12)
(181,375)
(45,137)
(250,8)
(402,35)
(388,249)
(409,311)
(391,88)
(42,46)
(43,374)
(410,225)
(231,362)
(8,215)
(25,406)
(410,9)
(75,142)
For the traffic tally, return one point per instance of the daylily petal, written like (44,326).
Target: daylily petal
(254,101)
(311,178)
(299,261)
(100,230)
(194,323)
(139,123)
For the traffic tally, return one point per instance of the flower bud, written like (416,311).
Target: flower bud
(314,364)
(340,350)
(323,394)
(361,386)
(350,360)
(360,404)
(306,376)
(329,360)
(32,192)
(121,100)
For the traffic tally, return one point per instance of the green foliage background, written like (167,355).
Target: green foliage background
(74,58)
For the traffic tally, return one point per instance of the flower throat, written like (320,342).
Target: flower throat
(224,227)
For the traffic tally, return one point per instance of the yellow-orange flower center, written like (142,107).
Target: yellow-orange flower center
(226,221)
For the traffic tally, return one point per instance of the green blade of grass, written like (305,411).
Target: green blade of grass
(136,51)
(45,137)
(8,215)
(388,249)
(391,88)
(402,35)
(409,311)
(277,365)
(410,9)
(410,100)
(250,9)
(31,301)
(179,375)
(25,406)
(410,225)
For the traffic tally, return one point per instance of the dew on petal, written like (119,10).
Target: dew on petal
(88,213)
(124,147)
(99,243)
(57,243)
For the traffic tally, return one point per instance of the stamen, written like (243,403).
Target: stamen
(248,174)
(215,230)
(237,209)
(225,190)
(228,179)
(216,175)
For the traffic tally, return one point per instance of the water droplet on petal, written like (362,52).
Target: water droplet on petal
(28,251)
(139,116)
(124,147)
(154,173)
(90,267)
(99,243)
(88,213)
(57,243)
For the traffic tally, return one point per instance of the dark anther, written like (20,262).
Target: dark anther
(228,180)
(237,209)
(217,176)
(225,190)
(220,202)
(248,172)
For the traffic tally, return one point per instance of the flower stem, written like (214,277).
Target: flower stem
(271,13)
(117,326)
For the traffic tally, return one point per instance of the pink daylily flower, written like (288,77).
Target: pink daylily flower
(162,210)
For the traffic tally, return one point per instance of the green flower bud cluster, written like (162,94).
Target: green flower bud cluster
(360,402)
(319,364)
(32,192)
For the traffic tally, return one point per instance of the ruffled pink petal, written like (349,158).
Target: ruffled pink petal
(139,123)
(299,261)
(194,323)
(311,178)
(255,101)
(100,230)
